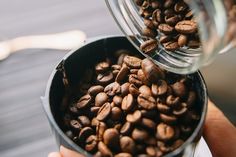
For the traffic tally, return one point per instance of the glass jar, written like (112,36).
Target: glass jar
(215,18)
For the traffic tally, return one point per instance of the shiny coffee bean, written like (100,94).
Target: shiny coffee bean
(146,101)
(104,111)
(168,3)
(94,90)
(84,101)
(160,88)
(171,45)
(179,89)
(148,23)
(127,102)
(149,46)
(133,79)
(111,138)
(145,90)
(157,17)
(172,101)
(105,151)
(180,6)
(149,32)
(148,123)
(139,134)
(112,89)
(123,155)
(102,67)
(84,121)
(191,99)
(134,71)
(164,39)
(91,143)
(125,89)
(94,109)
(122,75)
(127,144)
(165,28)
(105,78)
(165,132)
(134,117)
(117,100)
(142,77)
(100,129)
(126,128)
(169,119)
(186,27)
(182,40)
(132,62)
(163,108)
(180,111)
(75,125)
(193,44)
(100,99)
(85,133)
(116,113)
(172,20)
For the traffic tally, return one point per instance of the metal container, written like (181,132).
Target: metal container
(77,61)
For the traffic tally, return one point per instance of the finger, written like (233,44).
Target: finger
(69,153)
(219,133)
(54,154)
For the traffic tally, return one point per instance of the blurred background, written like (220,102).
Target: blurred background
(24,130)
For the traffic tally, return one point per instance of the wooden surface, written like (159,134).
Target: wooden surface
(24,130)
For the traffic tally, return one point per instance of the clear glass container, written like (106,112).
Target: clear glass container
(215,19)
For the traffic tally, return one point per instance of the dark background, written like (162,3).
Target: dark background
(24,130)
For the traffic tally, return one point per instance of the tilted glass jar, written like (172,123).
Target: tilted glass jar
(215,18)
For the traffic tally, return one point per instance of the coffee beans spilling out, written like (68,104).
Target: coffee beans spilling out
(172,20)
(128,106)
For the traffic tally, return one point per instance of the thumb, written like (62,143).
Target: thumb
(219,133)
(69,153)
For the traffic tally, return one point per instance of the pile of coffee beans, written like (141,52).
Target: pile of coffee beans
(172,21)
(127,106)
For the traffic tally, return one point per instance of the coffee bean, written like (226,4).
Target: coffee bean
(151,71)
(118,127)
(172,20)
(100,99)
(180,6)
(155,4)
(165,132)
(117,100)
(193,44)
(104,111)
(74,110)
(134,117)
(189,15)
(85,133)
(126,128)
(94,90)
(127,144)
(125,89)
(145,90)
(100,129)
(160,88)
(98,154)
(157,17)
(149,23)
(163,147)
(127,103)
(111,138)
(151,114)
(116,67)
(124,71)
(146,101)
(171,46)
(132,62)
(94,109)
(148,123)
(149,32)
(91,143)
(149,46)
(169,12)
(191,99)
(139,134)
(151,151)
(142,77)
(165,28)
(84,101)
(182,40)
(75,125)
(105,151)
(105,78)
(164,39)
(123,155)
(186,27)
(116,113)
(168,3)
(172,101)
(180,110)
(121,58)
(112,89)
(84,121)
(102,67)
(133,79)
(163,108)
(177,144)
(179,89)
(169,119)
(134,71)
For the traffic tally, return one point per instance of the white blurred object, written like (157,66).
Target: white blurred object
(202,149)
(62,41)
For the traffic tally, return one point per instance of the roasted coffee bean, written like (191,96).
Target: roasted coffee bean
(177,144)
(132,62)
(127,144)
(75,125)
(164,39)
(102,67)
(151,151)
(182,40)
(191,99)
(84,121)
(160,88)
(127,103)
(163,108)
(125,89)
(116,113)
(100,129)
(123,155)
(149,46)
(172,20)
(149,23)
(98,154)
(163,147)
(179,89)
(142,77)
(116,67)
(85,133)
(105,151)
(145,90)
(118,126)
(171,45)
(165,28)
(180,110)
(121,58)
(148,123)
(134,71)
(157,17)
(100,99)
(94,122)
(152,114)
(105,78)
(149,32)
(168,3)
(126,128)
(104,111)
(155,4)
(133,79)
(121,76)
(180,6)
(150,141)
(91,143)
(169,119)
(111,138)
(151,71)
(84,101)
(189,15)
(193,44)
(146,101)
(172,101)
(140,134)
(117,100)
(94,109)
(186,27)
(94,90)
(112,89)
(169,12)
(74,110)
(165,132)
(134,117)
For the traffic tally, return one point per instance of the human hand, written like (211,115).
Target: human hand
(64,152)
